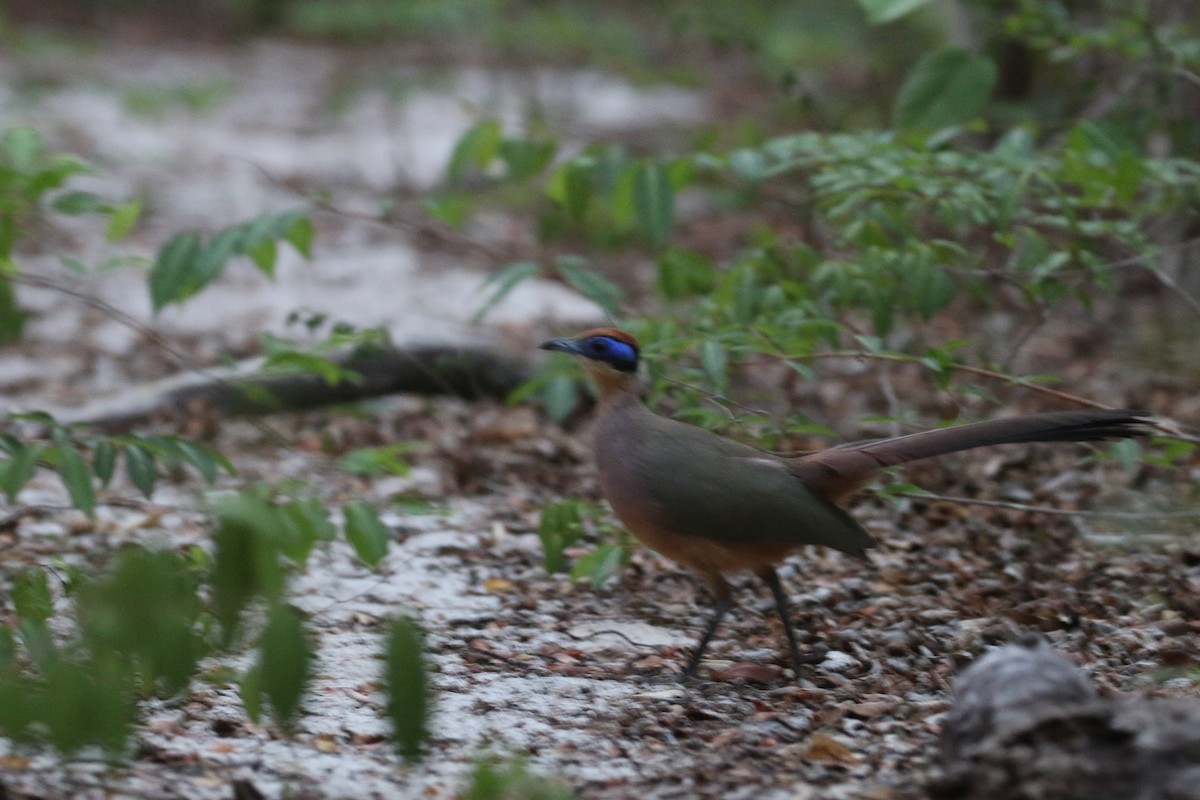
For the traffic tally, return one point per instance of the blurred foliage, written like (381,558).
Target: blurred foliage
(142,626)
(572,524)
(406,681)
(188,262)
(32,182)
(86,460)
(985,188)
(157,100)
(496,778)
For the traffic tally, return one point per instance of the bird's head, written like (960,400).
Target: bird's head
(609,355)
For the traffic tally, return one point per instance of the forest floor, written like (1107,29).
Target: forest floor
(583,681)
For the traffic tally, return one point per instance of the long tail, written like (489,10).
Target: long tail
(838,470)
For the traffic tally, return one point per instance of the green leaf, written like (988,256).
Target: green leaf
(73,470)
(872,344)
(294,362)
(931,289)
(452,208)
(406,683)
(264,254)
(309,524)
(946,87)
(8,654)
(23,147)
(201,458)
(186,264)
(104,459)
(31,595)
(591,285)
(220,459)
(246,564)
(121,220)
(164,449)
(682,273)
(802,369)
(250,689)
(141,469)
(881,11)
(12,317)
(747,297)
(83,704)
(560,527)
(749,163)
(39,646)
(16,470)
(263,228)
(503,281)
(599,565)
(145,613)
(75,203)
(1127,452)
(171,277)
(494,779)
(654,201)
(300,234)
(285,663)
(620,200)
(525,157)
(576,195)
(368,535)
(377,462)
(477,148)
(715,360)
(214,255)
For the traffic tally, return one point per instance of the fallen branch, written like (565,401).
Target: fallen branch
(467,372)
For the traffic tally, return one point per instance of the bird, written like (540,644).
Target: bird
(719,506)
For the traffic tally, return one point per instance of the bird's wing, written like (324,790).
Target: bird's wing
(712,487)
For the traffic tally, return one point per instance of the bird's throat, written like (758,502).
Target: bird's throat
(612,385)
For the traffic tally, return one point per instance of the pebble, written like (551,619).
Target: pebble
(837,661)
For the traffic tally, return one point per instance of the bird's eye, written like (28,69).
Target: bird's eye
(600,346)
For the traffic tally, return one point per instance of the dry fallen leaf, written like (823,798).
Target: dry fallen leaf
(759,673)
(826,749)
(499,585)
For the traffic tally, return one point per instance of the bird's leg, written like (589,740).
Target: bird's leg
(771,578)
(724,601)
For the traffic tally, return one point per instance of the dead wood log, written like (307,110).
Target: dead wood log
(459,371)
(1026,724)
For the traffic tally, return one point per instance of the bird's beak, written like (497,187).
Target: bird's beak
(570,346)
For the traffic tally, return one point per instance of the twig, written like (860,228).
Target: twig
(420,227)
(954,366)
(156,338)
(1065,512)
(108,309)
(1169,283)
(607,632)
(1139,260)
(1187,75)
(719,400)
(1164,426)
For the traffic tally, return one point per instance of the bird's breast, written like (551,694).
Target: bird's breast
(626,478)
